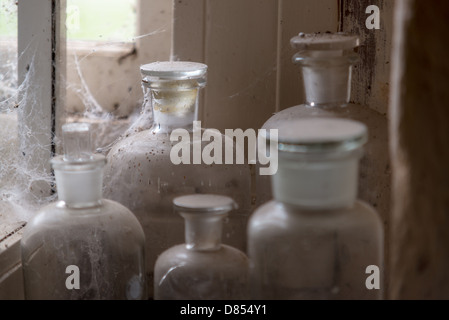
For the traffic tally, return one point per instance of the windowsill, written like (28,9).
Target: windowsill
(100,48)
(104,48)
(11,278)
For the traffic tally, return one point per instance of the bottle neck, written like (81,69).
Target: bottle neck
(80,189)
(203,233)
(327,77)
(316,183)
(173,108)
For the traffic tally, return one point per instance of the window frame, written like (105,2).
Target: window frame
(41,42)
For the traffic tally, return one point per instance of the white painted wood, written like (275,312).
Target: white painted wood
(155,22)
(102,78)
(246,46)
(189,18)
(60,71)
(237,40)
(38,95)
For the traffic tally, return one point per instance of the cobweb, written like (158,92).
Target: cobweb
(17,178)
(12,203)
(108,128)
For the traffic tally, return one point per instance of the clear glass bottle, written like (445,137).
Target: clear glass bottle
(326,62)
(82,237)
(202,268)
(315,240)
(141,175)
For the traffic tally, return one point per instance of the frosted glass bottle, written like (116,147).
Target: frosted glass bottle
(202,268)
(326,62)
(82,246)
(315,240)
(141,175)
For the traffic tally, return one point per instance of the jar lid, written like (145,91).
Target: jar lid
(204,203)
(174,70)
(325,41)
(78,155)
(319,135)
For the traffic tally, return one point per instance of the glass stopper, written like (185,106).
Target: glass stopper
(77,142)
(204,203)
(324,41)
(203,214)
(174,70)
(321,135)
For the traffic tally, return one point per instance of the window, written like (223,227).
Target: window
(101,20)
(107,41)
(53,80)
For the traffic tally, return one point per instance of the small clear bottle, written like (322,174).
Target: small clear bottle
(326,62)
(82,246)
(202,268)
(315,240)
(141,175)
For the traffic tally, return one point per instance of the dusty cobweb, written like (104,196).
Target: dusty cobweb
(17,178)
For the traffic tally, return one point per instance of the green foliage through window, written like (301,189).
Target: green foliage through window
(101,20)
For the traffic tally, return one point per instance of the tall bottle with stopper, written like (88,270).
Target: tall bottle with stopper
(82,246)
(202,268)
(315,240)
(326,62)
(144,174)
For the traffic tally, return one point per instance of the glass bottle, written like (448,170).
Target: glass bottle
(140,173)
(315,240)
(202,268)
(82,246)
(326,62)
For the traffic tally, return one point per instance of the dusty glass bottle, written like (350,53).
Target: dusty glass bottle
(141,175)
(202,268)
(315,240)
(326,62)
(82,246)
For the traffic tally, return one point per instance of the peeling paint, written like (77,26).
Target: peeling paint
(372,73)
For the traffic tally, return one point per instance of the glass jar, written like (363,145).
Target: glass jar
(315,240)
(202,268)
(141,174)
(326,61)
(83,246)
